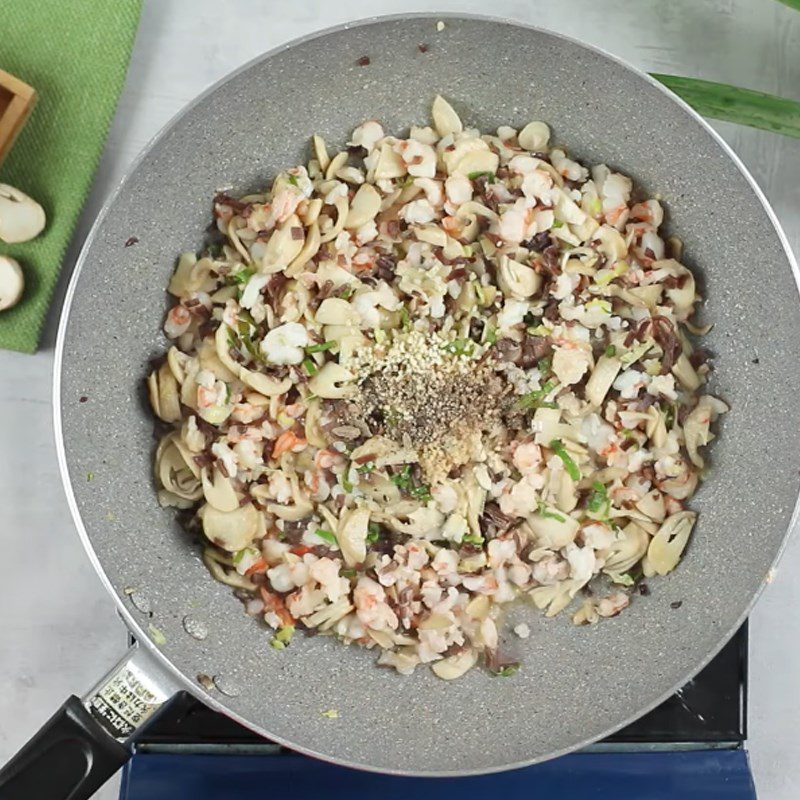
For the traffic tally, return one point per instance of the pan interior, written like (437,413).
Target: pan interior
(575,684)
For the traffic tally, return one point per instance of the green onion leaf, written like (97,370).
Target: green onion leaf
(285,633)
(460,347)
(320,348)
(405,319)
(293,180)
(598,500)
(611,351)
(543,511)
(475,175)
(491,335)
(241,277)
(734,104)
(557,446)
(373,532)
(473,538)
(365,469)
(557,223)
(346,484)
(535,399)
(310,367)
(326,535)
(544,365)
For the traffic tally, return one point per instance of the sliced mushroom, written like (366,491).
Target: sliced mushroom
(516,279)
(445,119)
(612,245)
(534,136)
(603,375)
(332,382)
(335,311)
(627,550)
(321,152)
(697,428)
(477,161)
(174,470)
(307,252)
(12,282)
(230,530)
(21,217)
(453,667)
(686,374)
(263,384)
(351,534)
(553,529)
(163,390)
(390,164)
(364,207)
(218,491)
(668,544)
(652,504)
(282,248)
(342,210)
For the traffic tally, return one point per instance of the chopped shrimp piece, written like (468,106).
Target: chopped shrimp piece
(287,441)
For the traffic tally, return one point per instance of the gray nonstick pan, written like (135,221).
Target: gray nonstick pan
(577,684)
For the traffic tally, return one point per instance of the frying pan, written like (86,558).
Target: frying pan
(576,684)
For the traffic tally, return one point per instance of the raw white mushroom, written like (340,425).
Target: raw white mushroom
(12,282)
(21,217)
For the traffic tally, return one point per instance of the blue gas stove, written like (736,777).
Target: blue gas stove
(692,747)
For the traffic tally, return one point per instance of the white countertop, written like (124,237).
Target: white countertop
(58,628)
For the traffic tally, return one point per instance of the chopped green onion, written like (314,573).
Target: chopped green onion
(349,572)
(543,511)
(90,476)
(277,644)
(621,578)
(346,293)
(491,335)
(346,484)
(539,330)
(326,535)
(460,347)
(598,500)
(320,348)
(544,365)
(373,532)
(557,446)
(535,399)
(241,277)
(310,367)
(611,351)
(475,175)
(557,223)
(669,417)
(365,469)
(473,538)
(507,671)
(285,633)
(293,180)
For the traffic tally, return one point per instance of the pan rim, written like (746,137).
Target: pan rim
(128,618)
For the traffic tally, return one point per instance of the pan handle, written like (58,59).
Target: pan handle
(87,740)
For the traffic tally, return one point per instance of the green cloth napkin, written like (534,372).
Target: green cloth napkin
(75,54)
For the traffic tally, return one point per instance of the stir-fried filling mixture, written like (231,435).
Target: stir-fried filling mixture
(426,376)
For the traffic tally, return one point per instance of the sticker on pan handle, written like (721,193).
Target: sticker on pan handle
(126,700)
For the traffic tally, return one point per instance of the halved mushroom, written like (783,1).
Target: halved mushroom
(175,472)
(12,282)
(351,534)
(263,384)
(477,161)
(21,217)
(390,164)
(336,311)
(230,530)
(668,544)
(453,667)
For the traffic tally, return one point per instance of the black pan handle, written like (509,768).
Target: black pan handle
(86,741)
(69,758)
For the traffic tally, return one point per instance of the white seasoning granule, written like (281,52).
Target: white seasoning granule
(522,630)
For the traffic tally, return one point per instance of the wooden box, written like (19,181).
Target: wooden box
(17,100)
